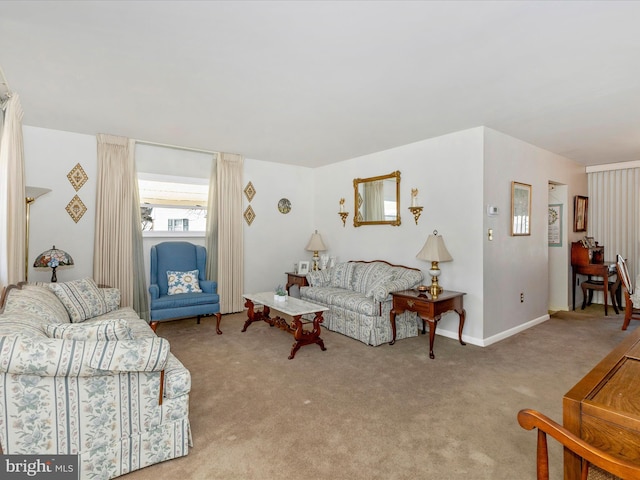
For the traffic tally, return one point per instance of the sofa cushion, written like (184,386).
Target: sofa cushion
(38,301)
(367,275)
(183,282)
(184,300)
(341,275)
(82,299)
(340,297)
(102,330)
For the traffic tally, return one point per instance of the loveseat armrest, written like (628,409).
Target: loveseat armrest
(382,291)
(50,357)
(154,290)
(209,286)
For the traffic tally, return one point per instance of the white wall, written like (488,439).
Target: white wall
(275,241)
(515,265)
(49,156)
(446,170)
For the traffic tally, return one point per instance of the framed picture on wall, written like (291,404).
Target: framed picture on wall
(555,225)
(580,207)
(520,209)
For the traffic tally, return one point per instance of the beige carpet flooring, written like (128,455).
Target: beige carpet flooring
(389,412)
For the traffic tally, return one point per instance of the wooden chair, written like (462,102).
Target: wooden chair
(630,312)
(608,465)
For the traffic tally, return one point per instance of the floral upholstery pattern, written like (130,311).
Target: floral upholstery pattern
(361,309)
(82,299)
(117,329)
(29,300)
(97,398)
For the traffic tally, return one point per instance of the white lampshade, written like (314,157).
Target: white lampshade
(315,243)
(434,249)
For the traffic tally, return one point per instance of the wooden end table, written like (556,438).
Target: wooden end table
(296,279)
(429,309)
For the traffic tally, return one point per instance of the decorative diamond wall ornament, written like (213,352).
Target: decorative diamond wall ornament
(76,209)
(249,191)
(249,215)
(77,176)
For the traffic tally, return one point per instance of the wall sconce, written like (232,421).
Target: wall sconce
(414,208)
(342,213)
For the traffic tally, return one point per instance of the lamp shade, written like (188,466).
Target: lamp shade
(434,249)
(315,243)
(53,258)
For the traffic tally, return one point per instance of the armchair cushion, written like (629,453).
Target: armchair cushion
(82,299)
(182,282)
(114,329)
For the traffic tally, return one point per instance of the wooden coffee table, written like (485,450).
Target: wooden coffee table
(293,307)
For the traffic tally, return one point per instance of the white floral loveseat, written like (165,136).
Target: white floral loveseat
(79,375)
(358,296)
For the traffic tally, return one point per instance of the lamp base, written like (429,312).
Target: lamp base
(54,279)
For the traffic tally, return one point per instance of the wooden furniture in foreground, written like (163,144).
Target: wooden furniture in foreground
(293,307)
(588,286)
(590,262)
(530,419)
(295,279)
(603,408)
(630,312)
(429,309)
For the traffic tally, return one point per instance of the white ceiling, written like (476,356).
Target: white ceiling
(312,83)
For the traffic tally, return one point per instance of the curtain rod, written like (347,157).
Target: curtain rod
(176,147)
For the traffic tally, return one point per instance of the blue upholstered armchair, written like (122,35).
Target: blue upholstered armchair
(176,290)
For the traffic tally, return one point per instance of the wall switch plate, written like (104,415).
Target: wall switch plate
(492,210)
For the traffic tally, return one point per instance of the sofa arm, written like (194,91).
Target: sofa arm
(49,357)
(209,286)
(154,290)
(382,291)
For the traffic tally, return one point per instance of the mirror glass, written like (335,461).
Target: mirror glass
(377,200)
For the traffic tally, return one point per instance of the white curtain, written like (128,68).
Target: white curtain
(614,214)
(230,239)
(116,255)
(211,238)
(374,201)
(12,195)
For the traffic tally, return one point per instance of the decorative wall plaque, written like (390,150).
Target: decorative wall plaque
(76,209)
(249,215)
(249,191)
(77,176)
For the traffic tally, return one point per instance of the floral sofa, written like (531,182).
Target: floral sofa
(79,375)
(358,296)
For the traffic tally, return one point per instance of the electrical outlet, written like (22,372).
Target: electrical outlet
(521,297)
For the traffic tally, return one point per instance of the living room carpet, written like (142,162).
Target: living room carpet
(388,412)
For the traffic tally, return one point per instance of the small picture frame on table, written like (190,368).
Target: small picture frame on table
(303,267)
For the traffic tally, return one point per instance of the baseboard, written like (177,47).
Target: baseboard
(485,342)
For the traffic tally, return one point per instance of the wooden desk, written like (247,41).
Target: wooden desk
(593,269)
(604,407)
(429,309)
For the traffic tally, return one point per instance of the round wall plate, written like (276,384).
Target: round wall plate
(284,205)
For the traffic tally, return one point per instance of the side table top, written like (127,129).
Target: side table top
(414,293)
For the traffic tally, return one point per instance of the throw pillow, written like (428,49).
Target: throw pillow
(183,282)
(100,330)
(82,299)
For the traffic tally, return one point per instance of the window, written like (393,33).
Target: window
(170,204)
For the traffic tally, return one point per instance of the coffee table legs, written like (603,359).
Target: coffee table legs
(303,337)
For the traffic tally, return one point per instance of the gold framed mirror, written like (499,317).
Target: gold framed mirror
(377,200)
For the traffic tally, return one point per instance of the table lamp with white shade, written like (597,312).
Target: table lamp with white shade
(434,251)
(315,245)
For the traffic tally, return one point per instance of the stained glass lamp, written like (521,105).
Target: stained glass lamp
(53,259)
